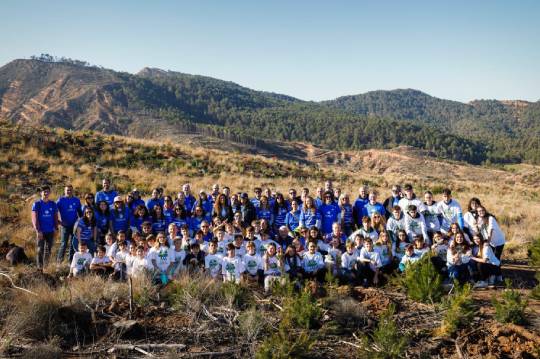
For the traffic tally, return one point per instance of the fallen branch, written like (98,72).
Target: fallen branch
(139,347)
(212,354)
(16,287)
(351,344)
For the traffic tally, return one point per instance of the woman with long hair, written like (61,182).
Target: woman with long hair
(222,209)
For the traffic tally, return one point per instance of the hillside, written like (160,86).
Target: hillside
(156,104)
(47,315)
(511,128)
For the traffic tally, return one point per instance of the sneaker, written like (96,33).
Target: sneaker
(491,281)
(480,284)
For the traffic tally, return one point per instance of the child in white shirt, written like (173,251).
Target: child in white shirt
(80,262)
(232,266)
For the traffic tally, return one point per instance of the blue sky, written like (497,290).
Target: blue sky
(314,50)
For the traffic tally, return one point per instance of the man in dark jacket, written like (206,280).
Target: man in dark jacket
(247,209)
(392,201)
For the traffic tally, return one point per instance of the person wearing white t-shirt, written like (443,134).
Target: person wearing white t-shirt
(212,261)
(141,265)
(232,266)
(409,258)
(369,263)
(458,257)
(415,224)
(487,225)
(432,214)
(179,254)
(81,261)
(253,264)
(272,266)
(101,264)
(348,263)
(313,263)
(487,263)
(410,199)
(119,261)
(450,211)
(162,258)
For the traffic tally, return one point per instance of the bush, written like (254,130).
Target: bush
(459,310)
(236,295)
(301,311)
(511,307)
(284,344)
(191,292)
(386,341)
(422,282)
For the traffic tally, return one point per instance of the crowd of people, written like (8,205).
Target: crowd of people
(268,236)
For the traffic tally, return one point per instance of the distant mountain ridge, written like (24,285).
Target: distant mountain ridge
(156,103)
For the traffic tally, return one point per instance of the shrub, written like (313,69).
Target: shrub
(301,311)
(236,295)
(386,341)
(284,344)
(422,282)
(511,307)
(251,323)
(191,292)
(459,310)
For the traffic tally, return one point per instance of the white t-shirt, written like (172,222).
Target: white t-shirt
(312,262)
(373,257)
(273,266)
(212,263)
(450,214)
(163,256)
(178,258)
(399,250)
(431,216)
(404,203)
(104,260)
(493,232)
(252,263)
(384,253)
(80,261)
(232,268)
(140,265)
(263,245)
(348,260)
(490,256)
(120,257)
(415,226)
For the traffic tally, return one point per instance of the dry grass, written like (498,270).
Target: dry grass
(512,195)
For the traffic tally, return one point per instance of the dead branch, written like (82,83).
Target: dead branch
(17,287)
(351,344)
(513,328)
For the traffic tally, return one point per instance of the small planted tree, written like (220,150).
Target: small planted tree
(511,307)
(422,282)
(459,310)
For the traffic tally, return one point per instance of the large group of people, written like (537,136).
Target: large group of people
(265,237)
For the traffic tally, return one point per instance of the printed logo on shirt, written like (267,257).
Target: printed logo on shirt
(212,263)
(251,264)
(230,267)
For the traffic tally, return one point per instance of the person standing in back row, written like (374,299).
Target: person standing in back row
(45,222)
(107,194)
(69,209)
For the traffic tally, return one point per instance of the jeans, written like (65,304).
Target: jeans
(67,238)
(44,248)
(459,272)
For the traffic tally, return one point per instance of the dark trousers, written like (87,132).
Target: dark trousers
(485,270)
(498,251)
(365,272)
(44,248)
(67,240)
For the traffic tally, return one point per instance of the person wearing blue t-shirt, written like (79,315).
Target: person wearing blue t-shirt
(155,200)
(280,211)
(373,206)
(309,215)
(190,200)
(292,220)
(69,210)
(137,200)
(358,207)
(330,213)
(264,211)
(120,216)
(45,223)
(107,194)
(256,201)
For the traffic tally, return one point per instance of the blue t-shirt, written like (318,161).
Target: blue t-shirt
(369,209)
(152,202)
(136,203)
(309,218)
(189,202)
(69,209)
(159,225)
(195,223)
(264,214)
(179,222)
(46,212)
(359,208)
(279,216)
(120,220)
(292,220)
(137,221)
(87,230)
(106,196)
(256,202)
(329,214)
(102,222)
(168,213)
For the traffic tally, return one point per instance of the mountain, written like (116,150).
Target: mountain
(510,128)
(155,104)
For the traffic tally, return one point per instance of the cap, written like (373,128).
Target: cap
(244,195)
(118,199)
